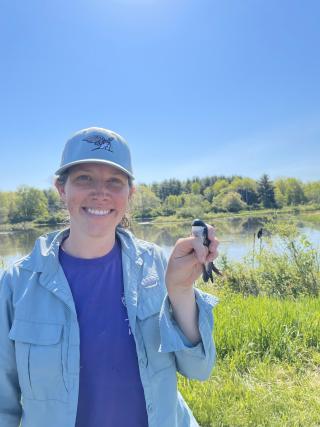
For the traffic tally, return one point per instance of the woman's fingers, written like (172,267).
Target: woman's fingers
(211,231)
(213,246)
(190,248)
(193,250)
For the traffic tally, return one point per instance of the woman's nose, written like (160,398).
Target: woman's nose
(99,187)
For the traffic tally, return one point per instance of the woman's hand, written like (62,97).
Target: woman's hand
(187,259)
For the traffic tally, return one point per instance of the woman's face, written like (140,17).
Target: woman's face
(96,196)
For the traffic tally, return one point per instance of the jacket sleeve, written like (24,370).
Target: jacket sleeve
(10,394)
(193,361)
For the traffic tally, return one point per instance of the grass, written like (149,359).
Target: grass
(314,218)
(268,395)
(268,369)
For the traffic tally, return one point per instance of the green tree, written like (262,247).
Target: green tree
(4,206)
(247,188)
(232,202)
(289,191)
(53,200)
(195,187)
(312,191)
(144,202)
(219,186)
(172,203)
(266,192)
(166,188)
(295,194)
(30,203)
(209,193)
(194,206)
(280,192)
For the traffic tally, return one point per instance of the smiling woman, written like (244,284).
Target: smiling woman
(96,196)
(95,323)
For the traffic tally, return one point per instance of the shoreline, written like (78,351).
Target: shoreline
(301,212)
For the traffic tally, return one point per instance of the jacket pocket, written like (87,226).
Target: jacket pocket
(148,312)
(39,359)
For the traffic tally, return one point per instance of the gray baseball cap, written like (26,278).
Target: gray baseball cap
(96,145)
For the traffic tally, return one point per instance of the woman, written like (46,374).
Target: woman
(94,324)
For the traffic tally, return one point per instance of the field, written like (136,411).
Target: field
(268,364)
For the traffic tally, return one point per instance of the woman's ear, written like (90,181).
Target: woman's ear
(61,190)
(131,192)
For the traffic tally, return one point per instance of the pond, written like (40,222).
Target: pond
(236,237)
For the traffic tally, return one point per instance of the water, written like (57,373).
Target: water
(235,235)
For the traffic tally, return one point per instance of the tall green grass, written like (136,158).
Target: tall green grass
(268,364)
(250,329)
(269,395)
(267,334)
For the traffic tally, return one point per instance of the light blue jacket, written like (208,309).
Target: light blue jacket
(39,338)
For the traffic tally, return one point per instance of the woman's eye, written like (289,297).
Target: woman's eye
(115,183)
(83,178)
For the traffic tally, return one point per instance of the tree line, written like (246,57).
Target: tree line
(31,204)
(216,194)
(188,198)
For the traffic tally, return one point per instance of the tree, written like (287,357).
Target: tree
(220,185)
(230,202)
(144,201)
(280,192)
(194,206)
(4,207)
(172,203)
(166,188)
(266,192)
(53,200)
(295,194)
(208,193)
(195,187)
(312,191)
(247,188)
(30,203)
(289,191)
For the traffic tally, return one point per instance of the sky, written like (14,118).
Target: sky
(196,87)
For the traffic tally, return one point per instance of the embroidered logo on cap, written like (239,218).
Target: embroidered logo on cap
(100,142)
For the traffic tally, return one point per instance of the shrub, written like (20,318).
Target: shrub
(286,267)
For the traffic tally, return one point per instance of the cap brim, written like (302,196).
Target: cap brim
(106,162)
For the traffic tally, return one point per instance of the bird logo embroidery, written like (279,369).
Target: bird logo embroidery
(100,142)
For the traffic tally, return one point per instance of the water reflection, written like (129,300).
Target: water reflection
(235,235)
(14,245)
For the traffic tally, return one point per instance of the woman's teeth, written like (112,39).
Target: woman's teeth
(98,211)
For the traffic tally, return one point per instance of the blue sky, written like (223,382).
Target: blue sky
(197,88)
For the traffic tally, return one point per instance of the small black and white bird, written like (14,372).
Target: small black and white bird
(200,230)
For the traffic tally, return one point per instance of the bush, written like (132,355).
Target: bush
(288,267)
(54,219)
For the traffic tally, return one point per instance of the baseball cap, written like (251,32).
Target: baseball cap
(96,145)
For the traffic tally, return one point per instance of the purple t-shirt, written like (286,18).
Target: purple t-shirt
(110,393)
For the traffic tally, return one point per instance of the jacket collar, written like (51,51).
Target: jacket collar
(45,254)
(44,259)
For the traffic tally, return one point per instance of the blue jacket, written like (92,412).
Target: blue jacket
(39,338)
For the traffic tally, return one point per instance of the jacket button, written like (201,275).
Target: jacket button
(149,407)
